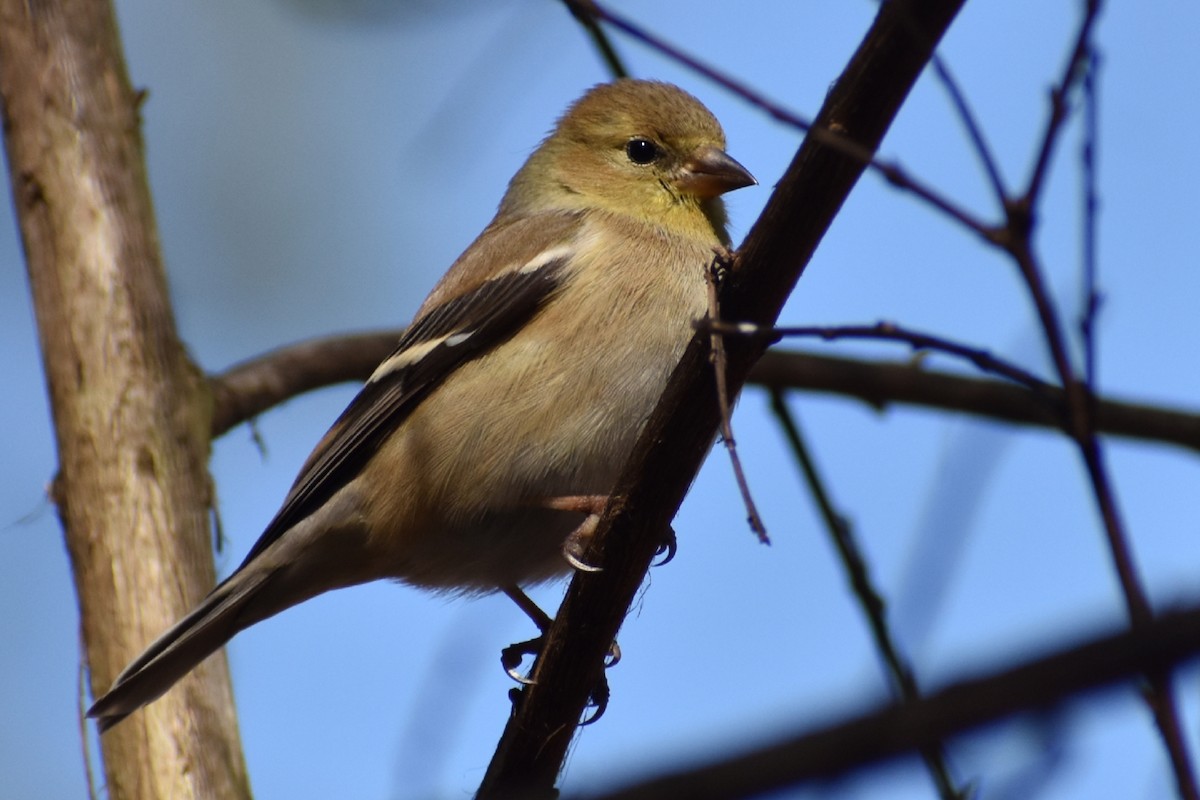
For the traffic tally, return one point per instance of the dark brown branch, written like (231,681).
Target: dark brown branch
(860,106)
(255,386)
(899,729)
(880,383)
(1090,197)
(248,389)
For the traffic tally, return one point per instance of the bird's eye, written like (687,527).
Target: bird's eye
(641,151)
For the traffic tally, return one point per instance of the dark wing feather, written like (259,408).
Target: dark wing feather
(490,313)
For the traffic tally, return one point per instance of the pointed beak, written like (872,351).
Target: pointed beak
(710,172)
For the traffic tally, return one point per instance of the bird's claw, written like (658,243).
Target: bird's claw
(574,546)
(512,656)
(669,546)
(613,656)
(598,700)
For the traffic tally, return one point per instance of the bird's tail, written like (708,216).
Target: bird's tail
(219,616)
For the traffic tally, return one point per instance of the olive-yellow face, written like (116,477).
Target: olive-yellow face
(640,139)
(640,148)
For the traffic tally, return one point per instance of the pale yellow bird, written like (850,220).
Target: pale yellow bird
(477,456)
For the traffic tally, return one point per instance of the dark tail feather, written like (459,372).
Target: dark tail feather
(176,652)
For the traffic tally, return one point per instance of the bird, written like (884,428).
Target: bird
(480,453)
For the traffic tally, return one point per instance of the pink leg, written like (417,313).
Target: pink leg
(591,504)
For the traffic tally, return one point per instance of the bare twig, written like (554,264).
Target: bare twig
(1073,73)
(713,277)
(897,176)
(974,130)
(1017,240)
(891,332)
(881,383)
(1079,406)
(608,53)
(85,741)
(1091,209)
(250,388)
(892,172)
(904,680)
(594,10)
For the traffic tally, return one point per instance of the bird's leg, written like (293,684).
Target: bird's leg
(512,656)
(532,610)
(573,548)
(592,505)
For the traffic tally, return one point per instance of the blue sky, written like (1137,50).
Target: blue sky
(317,165)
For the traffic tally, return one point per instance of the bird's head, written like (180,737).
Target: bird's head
(642,148)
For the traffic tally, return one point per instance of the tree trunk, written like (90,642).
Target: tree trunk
(131,412)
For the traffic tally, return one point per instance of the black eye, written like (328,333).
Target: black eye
(641,151)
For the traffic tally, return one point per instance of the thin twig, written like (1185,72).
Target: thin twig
(894,174)
(1160,695)
(1073,72)
(904,680)
(608,53)
(974,130)
(897,176)
(595,10)
(1017,240)
(713,277)
(1091,210)
(891,332)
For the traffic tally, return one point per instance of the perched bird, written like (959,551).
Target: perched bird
(477,455)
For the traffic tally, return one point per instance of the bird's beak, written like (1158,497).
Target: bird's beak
(710,172)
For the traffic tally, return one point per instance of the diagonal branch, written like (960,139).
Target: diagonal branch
(246,390)
(861,106)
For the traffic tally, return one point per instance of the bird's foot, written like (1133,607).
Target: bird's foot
(667,548)
(577,542)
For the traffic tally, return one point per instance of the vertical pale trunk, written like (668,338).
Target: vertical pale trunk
(131,413)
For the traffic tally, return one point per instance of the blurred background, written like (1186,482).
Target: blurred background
(317,164)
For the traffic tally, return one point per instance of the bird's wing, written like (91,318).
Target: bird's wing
(470,323)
